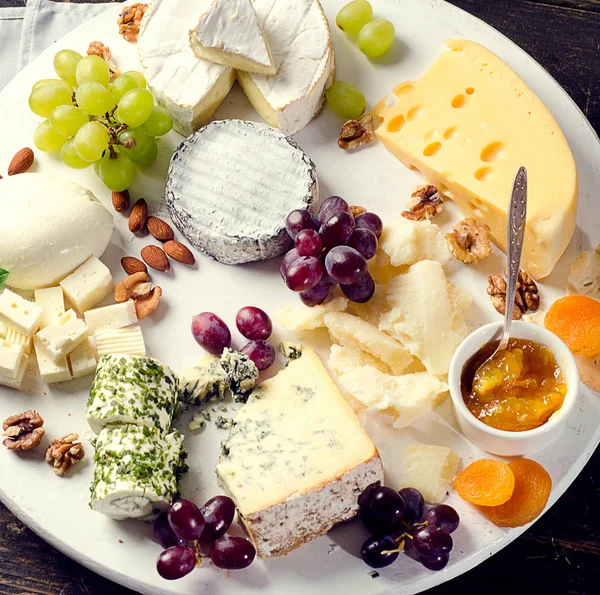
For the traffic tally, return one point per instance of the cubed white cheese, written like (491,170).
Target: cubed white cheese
(430,469)
(3,330)
(13,363)
(82,359)
(115,316)
(303,318)
(128,340)
(88,285)
(50,371)
(19,314)
(15,338)
(51,300)
(59,338)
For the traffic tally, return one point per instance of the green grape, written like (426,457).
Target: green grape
(93,69)
(376,38)
(346,100)
(44,99)
(121,85)
(149,155)
(138,76)
(135,107)
(159,122)
(116,173)
(65,65)
(352,17)
(45,139)
(67,119)
(70,157)
(91,141)
(48,82)
(94,99)
(134,143)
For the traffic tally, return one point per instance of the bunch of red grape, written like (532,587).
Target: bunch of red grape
(331,249)
(214,335)
(400,522)
(186,530)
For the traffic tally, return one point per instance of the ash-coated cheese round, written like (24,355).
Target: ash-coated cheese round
(231,186)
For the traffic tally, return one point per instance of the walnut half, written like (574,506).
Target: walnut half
(356,133)
(23,431)
(527,296)
(62,454)
(470,241)
(426,203)
(129,21)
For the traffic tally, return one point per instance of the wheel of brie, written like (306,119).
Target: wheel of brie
(231,186)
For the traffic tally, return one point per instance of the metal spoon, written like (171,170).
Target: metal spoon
(515,231)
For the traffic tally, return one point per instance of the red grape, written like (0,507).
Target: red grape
(337,230)
(327,281)
(308,243)
(433,562)
(211,332)
(414,504)
(287,261)
(186,520)
(432,541)
(331,206)
(254,323)
(345,265)
(443,517)
(232,553)
(298,220)
(218,515)
(260,352)
(176,562)
(316,295)
(387,506)
(305,272)
(364,241)
(379,552)
(163,532)
(369,221)
(361,291)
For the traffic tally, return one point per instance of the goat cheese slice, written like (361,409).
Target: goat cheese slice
(300,41)
(231,186)
(296,458)
(191,89)
(230,33)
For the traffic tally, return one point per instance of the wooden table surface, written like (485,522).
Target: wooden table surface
(560,554)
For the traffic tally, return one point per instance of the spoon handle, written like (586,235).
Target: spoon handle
(515,230)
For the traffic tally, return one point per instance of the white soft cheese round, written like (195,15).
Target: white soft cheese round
(48,227)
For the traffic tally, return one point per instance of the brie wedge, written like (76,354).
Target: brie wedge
(230,33)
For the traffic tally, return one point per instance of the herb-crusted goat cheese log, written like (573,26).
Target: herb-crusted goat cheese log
(136,471)
(130,389)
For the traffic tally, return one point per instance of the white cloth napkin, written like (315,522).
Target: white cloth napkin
(27,31)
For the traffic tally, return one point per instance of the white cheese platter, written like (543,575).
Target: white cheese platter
(346,443)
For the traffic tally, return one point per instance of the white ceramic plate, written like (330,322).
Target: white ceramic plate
(57,509)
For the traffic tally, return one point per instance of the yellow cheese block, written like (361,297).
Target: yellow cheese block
(468,124)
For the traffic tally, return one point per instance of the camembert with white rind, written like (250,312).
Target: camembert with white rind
(296,458)
(468,124)
(229,33)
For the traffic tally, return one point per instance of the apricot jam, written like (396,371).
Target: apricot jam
(516,391)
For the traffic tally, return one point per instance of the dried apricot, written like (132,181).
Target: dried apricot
(576,320)
(485,482)
(532,490)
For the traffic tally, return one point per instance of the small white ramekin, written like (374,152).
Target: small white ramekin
(503,442)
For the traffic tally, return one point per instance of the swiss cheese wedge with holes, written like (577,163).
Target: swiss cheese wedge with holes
(468,124)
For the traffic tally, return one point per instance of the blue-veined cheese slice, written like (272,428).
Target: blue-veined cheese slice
(231,186)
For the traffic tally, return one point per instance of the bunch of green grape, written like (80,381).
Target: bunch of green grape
(374,37)
(91,120)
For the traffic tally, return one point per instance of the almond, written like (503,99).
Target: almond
(138,216)
(177,251)
(21,162)
(160,230)
(132,265)
(155,258)
(120,200)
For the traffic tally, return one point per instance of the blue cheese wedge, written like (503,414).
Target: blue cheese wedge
(136,472)
(297,458)
(231,186)
(242,374)
(128,389)
(207,381)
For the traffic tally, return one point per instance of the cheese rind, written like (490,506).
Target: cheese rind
(59,338)
(468,124)
(229,33)
(297,458)
(19,314)
(115,316)
(88,284)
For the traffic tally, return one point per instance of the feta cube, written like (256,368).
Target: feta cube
(115,316)
(3,330)
(59,338)
(52,302)
(13,363)
(15,338)
(430,469)
(82,359)
(50,371)
(128,340)
(88,285)
(19,314)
